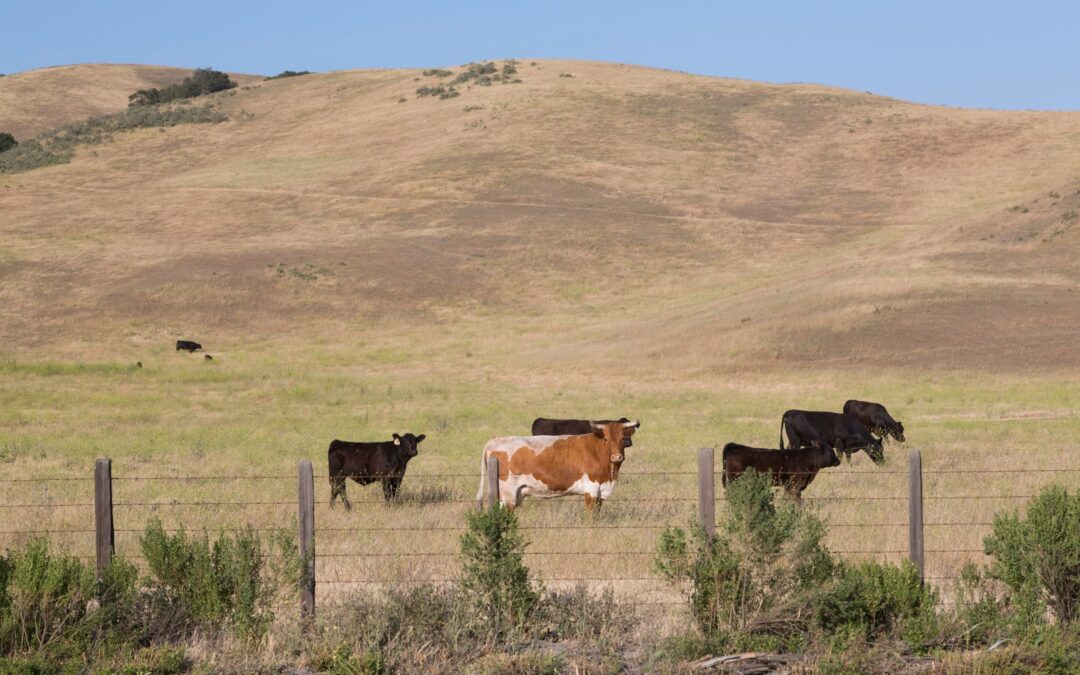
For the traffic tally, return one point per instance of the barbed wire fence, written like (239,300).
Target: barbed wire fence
(354,551)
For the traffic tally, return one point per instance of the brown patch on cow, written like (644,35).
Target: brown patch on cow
(565,461)
(504,466)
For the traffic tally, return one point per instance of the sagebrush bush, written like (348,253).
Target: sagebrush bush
(494,576)
(221,583)
(7,141)
(289,73)
(878,599)
(1037,557)
(754,575)
(53,607)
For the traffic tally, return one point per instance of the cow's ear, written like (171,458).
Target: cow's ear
(420,437)
(397,439)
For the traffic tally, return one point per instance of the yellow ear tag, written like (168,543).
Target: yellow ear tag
(397,441)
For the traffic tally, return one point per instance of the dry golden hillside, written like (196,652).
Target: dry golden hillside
(592,213)
(38,100)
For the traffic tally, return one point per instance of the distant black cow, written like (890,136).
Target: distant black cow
(876,418)
(542,426)
(208,358)
(844,433)
(791,469)
(366,463)
(187,346)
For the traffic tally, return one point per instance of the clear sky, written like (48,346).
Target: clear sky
(1023,54)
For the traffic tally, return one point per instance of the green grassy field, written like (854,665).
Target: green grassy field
(257,410)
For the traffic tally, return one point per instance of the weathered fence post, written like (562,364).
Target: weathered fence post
(306,533)
(915,513)
(706,502)
(104,537)
(493,481)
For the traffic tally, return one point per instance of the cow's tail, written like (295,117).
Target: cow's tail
(723,465)
(782,419)
(483,481)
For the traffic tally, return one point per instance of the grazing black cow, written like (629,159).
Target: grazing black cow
(876,418)
(844,433)
(366,463)
(543,426)
(792,469)
(208,358)
(187,346)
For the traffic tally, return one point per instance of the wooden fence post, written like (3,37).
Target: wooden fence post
(706,502)
(493,481)
(104,538)
(306,533)
(915,513)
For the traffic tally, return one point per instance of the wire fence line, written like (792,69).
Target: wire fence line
(641,509)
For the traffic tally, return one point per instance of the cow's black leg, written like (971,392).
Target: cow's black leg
(390,488)
(794,440)
(337,486)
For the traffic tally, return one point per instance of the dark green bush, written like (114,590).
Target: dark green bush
(753,577)
(289,73)
(201,81)
(879,599)
(494,576)
(7,141)
(437,72)
(1037,557)
(58,146)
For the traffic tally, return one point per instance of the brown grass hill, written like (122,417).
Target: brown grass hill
(590,213)
(34,101)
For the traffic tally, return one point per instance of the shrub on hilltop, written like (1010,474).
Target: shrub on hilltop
(201,81)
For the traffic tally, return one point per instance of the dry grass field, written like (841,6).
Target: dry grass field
(700,253)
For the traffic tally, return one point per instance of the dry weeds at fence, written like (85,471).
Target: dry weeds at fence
(415,540)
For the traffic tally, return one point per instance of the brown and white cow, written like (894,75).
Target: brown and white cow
(556,466)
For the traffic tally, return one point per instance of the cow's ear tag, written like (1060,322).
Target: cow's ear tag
(397,441)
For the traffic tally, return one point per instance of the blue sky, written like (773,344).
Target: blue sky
(1016,55)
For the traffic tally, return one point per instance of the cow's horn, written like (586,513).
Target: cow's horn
(595,425)
(628,425)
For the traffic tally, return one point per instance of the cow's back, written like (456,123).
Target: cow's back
(543,426)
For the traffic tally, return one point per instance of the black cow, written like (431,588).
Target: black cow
(542,426)
(366,463)
(208,358)
(187,346)
(844,433)
(876,418)
(792,469)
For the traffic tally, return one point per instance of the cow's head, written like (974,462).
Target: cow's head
(824,454)
(409,443)
(875,451)
(615,434)
(898,431)
(627,439)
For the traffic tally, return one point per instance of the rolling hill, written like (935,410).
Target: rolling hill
(591,213)
(38,100)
